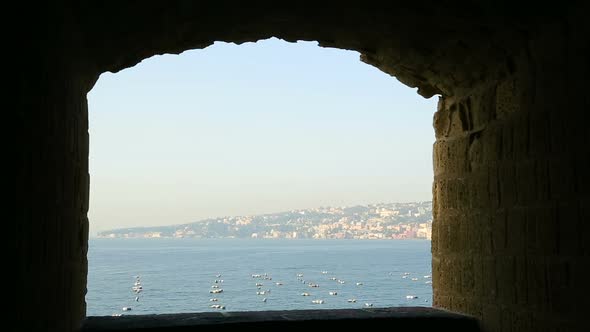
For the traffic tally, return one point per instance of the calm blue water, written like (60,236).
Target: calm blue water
(177,274)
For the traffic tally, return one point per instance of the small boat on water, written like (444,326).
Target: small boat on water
(368,304)
(217,306)
(341,281)
(428,282)
(324,272)
(216,291)
(279,283)
(213,300)
(333,293)
(126,308)
(258,284)
(359,283)
(410,297)
(333,278)
(414,279)
(351,300)
(304,294)
(300,275)
(317,301)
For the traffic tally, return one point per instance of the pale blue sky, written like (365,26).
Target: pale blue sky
(253,128)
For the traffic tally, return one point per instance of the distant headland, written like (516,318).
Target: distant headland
(374,221)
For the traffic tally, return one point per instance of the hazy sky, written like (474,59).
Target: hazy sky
(253,128)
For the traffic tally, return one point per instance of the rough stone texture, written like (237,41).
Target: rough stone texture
(511,187)
(511,191)
(410,318)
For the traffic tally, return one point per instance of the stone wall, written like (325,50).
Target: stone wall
(52,193)
(51,236)
(511,195)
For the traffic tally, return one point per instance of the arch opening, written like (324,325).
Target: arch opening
(267,127)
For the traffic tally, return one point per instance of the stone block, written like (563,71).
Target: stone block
(490,285)
(561,178)
(508,188)
(536,283)
(505,271)
(568,229)
(506,99)
(499,227)
(516,231)
(546,218)
(526,182)
(520,280)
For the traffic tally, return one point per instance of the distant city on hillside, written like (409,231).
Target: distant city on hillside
(373,221)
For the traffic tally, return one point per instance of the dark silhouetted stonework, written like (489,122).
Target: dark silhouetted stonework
(511,160)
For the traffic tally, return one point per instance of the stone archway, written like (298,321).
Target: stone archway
(510,188)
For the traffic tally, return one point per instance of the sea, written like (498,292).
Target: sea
(178,275)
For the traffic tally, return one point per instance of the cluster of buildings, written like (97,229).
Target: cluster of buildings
(374,221)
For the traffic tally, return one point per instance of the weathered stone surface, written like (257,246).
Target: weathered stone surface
(414,318)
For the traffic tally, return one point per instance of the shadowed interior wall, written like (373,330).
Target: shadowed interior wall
(511,195)
(511,158)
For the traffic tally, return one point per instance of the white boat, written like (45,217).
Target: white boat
(216,291)
(333,278)
(317,301)
(214,286)
(368,304)
(213,300)
(341,281)
(217,306)
(351,300)
(258,284)
(304,294)
(264,299)
(333,293)
(410,297)
(324,272)
(261,293)
(428,282)
(427,276)
(414,279)
(359,283)
(300,275)
(279,283)
(126,308)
